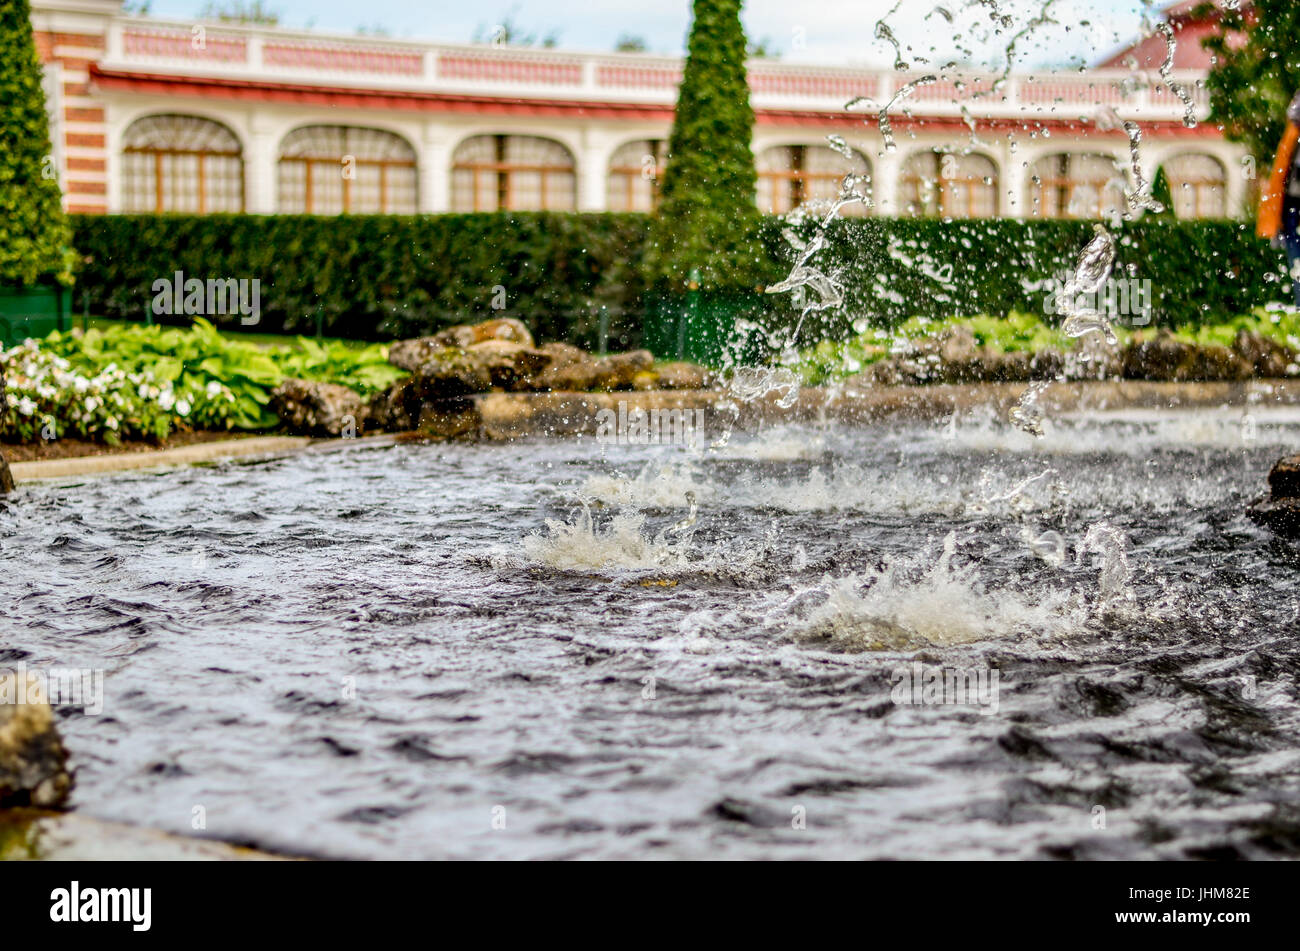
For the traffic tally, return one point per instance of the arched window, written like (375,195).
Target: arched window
(181,163)
(636,171)
(1199,186)
(512,173)
(789,175)
(1075,186)
(330,169)
(949,185)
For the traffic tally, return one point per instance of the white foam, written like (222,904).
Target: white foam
(780,444)
(905,605)
(582,545)
(655,486)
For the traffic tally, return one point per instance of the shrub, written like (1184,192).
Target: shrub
(707,221)
(35,244)
(387,277)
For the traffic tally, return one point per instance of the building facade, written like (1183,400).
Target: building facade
(155,115)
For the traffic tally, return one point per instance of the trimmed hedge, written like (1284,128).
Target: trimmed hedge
(384,277)
(375,276)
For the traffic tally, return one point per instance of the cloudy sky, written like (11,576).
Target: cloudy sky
(825,31)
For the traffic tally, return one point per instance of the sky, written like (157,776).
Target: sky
(839,32)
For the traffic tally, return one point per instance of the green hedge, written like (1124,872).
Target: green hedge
(376,277)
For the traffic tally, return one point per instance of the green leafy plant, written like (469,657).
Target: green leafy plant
(35,243)
(832,360)
(139,382)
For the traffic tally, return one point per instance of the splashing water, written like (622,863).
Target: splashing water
(1111,546)
(1166,73)
(1026,415)
(1139,196)
(1049,546)
(691,516)
(1091,272)
(904,606)
(883,32)
(582,546)
(882,117)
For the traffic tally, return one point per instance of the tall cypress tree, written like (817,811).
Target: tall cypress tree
(707,213)
(35,242)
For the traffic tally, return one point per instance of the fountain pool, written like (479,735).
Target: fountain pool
(538,650)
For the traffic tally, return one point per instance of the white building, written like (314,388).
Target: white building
(160,115)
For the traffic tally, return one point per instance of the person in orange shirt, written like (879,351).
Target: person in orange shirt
(1279,208)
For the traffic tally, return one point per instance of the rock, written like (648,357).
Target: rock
(1280,512)
(410,355)
(681,375)
(466,335)
(1281,516)
(318,409)
(1165,358)
(448,419)
(1161,358)
(957,346)
(618,370)
(388,411)
(571,368)
(33,761)
(1284,478)
(1269,358)
(509,365)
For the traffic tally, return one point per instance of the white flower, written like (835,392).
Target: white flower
(213,390)
(166,401)
(26,406)
(183,407)
(92,404)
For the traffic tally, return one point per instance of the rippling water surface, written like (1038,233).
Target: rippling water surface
(390,651)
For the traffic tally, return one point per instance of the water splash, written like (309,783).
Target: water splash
(882,117)
(905,605)
(1110,545)
(1139,196)
(688,523)
(1049,546)
(654,486)
(883,32)
(1090,273)
(1026,415)
(582,546)
(1166,73)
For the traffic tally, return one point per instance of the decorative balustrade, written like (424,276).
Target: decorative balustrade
(251,52)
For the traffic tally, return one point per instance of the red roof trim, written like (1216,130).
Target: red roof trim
(301,94)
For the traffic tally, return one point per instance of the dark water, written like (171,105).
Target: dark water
(614,694)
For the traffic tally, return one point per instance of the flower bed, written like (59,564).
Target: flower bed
(137,382)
